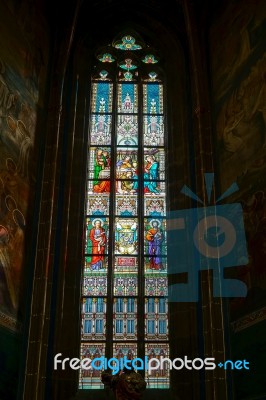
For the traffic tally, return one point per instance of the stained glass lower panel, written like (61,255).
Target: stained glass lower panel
(156,318)
(98,204)
(126,284)
(157,378)
(125,318)
(154,206)
(128,350)
(94,284)
(156,285)
(91,378)
(93,318)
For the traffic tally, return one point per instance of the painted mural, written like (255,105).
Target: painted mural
(19,93)
(238,47)
(239,92)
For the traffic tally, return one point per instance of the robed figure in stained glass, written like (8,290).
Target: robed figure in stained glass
(98,240)
(155,239)
(151,175)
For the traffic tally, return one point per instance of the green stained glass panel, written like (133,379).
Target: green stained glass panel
(127,97)
(102,97)
(149,59)
(152,98)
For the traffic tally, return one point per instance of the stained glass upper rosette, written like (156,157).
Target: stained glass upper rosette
(127,43)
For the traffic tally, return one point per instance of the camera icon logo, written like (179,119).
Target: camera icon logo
(206,238)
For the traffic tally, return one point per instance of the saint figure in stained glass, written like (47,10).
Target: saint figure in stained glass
(101,171)
(151,174)
(155,238)
(98,240)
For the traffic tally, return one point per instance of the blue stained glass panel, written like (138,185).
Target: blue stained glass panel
(126,205)
(153,98)
(102,96)
(125,318)
(127,98)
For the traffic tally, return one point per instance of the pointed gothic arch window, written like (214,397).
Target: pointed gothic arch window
(124,286)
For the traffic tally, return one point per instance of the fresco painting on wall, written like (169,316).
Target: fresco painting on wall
(239,92)
(18,96)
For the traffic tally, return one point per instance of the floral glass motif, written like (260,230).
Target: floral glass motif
(94,284)
(128,76)
(152,76)
(106,58)
(103,74)
(127,65)
(149,59)
(127,43)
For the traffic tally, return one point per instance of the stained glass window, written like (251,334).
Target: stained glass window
(125,263)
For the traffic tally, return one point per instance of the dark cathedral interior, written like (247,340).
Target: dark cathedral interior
(62,64)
